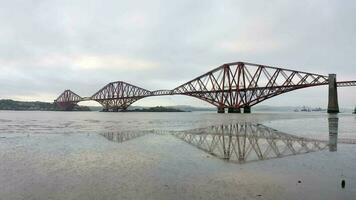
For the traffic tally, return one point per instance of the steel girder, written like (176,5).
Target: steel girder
(240,84)
(232,85)
(346,83)
(161,92)
(119,95)
(67,100)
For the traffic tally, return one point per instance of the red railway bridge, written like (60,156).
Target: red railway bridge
(236,86)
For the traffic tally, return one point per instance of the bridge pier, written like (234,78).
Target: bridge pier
(66,106)
(333,105)
(247,109)
(221,110)
(234,110)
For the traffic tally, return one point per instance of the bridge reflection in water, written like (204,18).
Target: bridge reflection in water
(124,136)
(248,142)
(333,122)
(241,142)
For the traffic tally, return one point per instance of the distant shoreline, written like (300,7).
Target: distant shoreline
(156,109)
(12,105)
(8,104)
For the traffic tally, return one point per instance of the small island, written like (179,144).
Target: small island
(156,109)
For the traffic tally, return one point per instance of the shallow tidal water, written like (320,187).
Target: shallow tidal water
(94,155)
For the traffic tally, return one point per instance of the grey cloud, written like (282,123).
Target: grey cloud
(183,38)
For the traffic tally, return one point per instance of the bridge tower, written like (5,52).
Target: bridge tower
(333,104)
(68,100)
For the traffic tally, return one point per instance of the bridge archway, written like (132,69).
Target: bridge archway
(93,105)
(172,100)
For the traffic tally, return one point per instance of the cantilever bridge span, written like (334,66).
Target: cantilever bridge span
(232,85)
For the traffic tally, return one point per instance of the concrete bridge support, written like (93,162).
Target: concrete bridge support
(66,106)
(333,104)
(247,109)
(221,110)
(234,110)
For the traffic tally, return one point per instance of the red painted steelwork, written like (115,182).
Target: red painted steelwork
(240,84)
(232,85)
(67,100)
(119,95)
(346,83)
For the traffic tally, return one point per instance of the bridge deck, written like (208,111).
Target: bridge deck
(346,83)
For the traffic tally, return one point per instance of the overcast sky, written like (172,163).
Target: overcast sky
(48,46)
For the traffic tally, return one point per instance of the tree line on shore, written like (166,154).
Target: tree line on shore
(8,104)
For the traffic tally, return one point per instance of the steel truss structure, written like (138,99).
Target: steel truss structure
(232,85)
(241,84)
(119,95)
(246,142)
(67,100)
(346,83)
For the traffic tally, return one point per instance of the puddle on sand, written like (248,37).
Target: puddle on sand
(239,142)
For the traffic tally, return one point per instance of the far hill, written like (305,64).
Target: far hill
(156,109)
(8,104)
(185,108)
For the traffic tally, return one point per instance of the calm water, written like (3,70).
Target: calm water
(94,155)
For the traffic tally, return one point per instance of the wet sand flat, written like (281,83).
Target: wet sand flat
(61,155)
(88,166)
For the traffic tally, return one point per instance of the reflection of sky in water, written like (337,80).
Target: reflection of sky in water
(302,124)
(247,142)
(316,127)
(238,142)
(88,166)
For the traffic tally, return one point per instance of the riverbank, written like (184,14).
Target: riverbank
(156,109)
(8,104)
